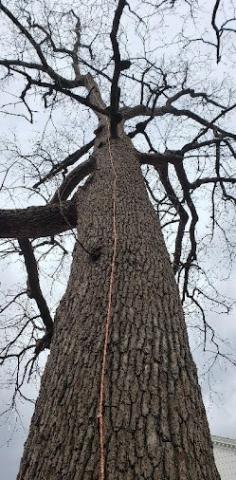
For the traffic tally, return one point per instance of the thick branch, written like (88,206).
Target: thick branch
(205,180)
(217,31)
(157,159)
(34,222)
(20,63)
(183,215)
(115,91)
(33,285)
(59,88)
(72,180)
(142,110)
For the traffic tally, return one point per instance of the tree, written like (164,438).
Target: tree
(119,396)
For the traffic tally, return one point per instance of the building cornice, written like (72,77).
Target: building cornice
(224,441)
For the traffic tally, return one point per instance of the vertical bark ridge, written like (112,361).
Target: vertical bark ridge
(155,421)
(109,314)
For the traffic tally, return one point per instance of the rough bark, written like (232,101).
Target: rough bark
(42,221)
(155,421)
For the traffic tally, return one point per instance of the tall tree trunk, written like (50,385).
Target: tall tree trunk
(155,421)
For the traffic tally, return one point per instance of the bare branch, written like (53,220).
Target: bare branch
(119,65)
(73,179)
(141,110)
(34,222)
(70,160)
(218,34)
(33,285)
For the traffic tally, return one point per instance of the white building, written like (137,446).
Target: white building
(225,457)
